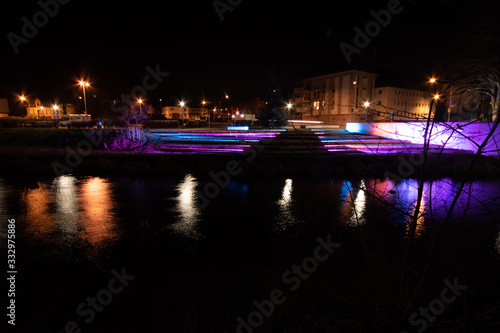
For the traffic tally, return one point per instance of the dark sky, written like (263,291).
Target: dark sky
(112,42)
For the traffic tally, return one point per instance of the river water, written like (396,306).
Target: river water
(71,232)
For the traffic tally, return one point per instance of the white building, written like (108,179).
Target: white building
(399,104)
(339,98)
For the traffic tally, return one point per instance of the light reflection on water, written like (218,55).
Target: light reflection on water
(480,202)
(69,210)
(67,206)
(187,208)
(97,222)
(286,217)
(38,216)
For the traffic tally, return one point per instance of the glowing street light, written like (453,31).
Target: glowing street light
(434,80)
(367,104)
(289,107)
(140,105)
(84,84)
(182,111)
(24,100)
(56,107)
(203,103)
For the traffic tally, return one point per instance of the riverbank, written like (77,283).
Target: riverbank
(294,155)
(31,160)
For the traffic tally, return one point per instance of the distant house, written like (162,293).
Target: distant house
(177,112)
(36,110)
(4,108)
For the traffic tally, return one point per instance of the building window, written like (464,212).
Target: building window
(380,92)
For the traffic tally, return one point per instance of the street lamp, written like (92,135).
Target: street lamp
(367,104)
(140,106)
(203,103)
(23,99)
(182,111)
(55,107)
(289,107)
(434,80)
(84,84)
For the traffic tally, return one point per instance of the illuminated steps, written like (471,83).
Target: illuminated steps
(208,142)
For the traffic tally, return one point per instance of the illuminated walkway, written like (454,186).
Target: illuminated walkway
(283,142)
(209,142)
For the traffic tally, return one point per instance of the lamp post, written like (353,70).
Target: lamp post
(23,99)
(182,112)
(203,103)
(55,109)
(434,80)
(84,84)
(367,104)
(140,106)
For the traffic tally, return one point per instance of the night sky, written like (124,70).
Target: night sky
(112,43)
